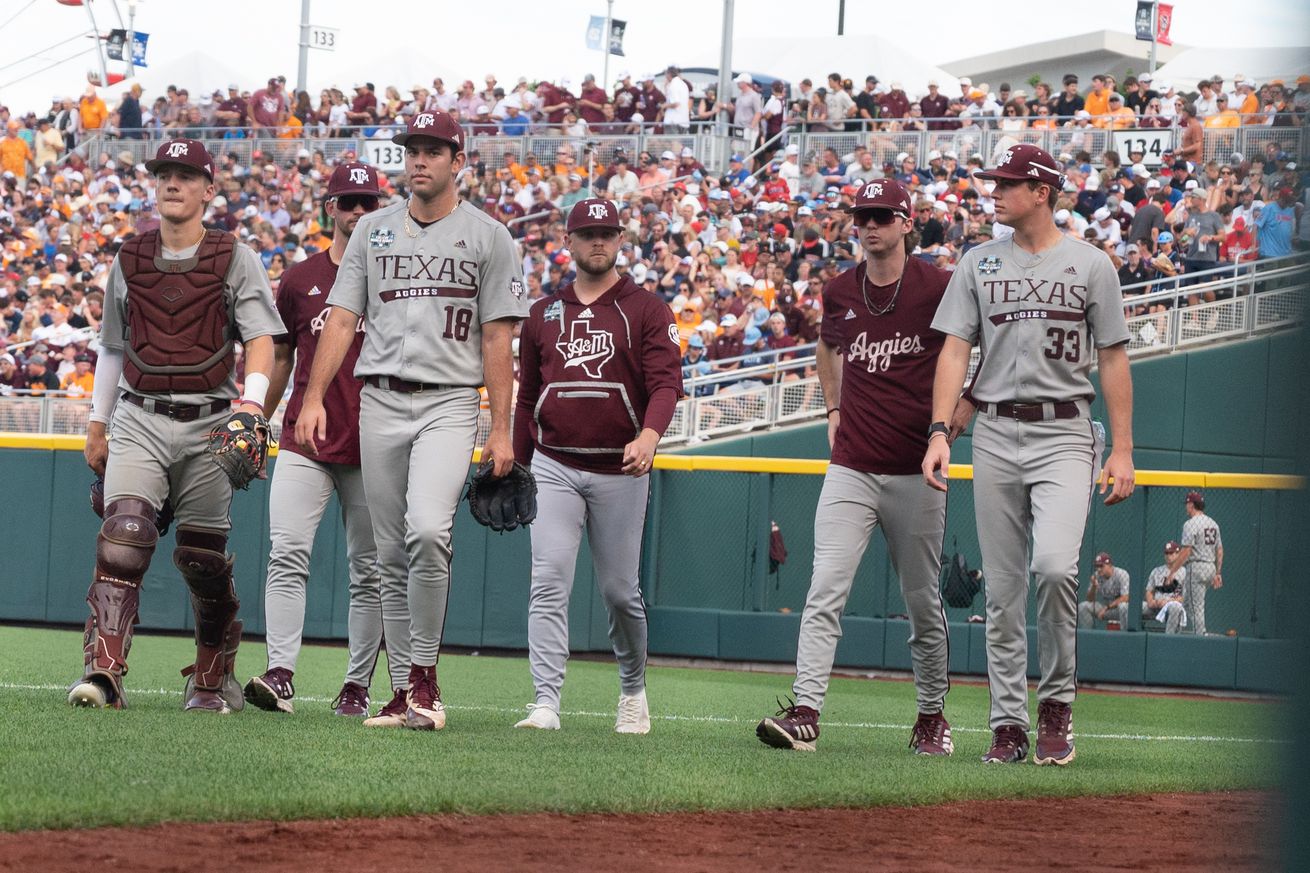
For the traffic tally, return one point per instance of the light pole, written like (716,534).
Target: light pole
(131,38)
(605,46)
(302,69)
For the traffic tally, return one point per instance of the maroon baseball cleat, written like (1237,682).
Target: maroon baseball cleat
(272,691)
(932,735)
(793,727)
(393,714)
(352,701)
(1009,745)
(1054,733)
(426,712)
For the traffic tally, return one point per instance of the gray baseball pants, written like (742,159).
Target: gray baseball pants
(1032,480)
(613,509)
(415,451)
(154,457)
(298,497)
(1200,576)
(1171,614)
(913,521)
(1087,613)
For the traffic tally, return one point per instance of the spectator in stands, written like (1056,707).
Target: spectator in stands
(1205,230)
(1069,101)
(695,364)
(1206,101)
(1223,117)
(12,377)
(934,105)
(40,379)
(1276,222)
(268,106)
(93,110)
(1164,593)
(677,102)
(840,104)
(364,106)
(15,154)
(1193,136)
(816,115)
(1119,116)
(1107,595)
(81,381)
(1097,100)
(650,102)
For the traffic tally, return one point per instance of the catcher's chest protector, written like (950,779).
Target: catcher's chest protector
(180,328)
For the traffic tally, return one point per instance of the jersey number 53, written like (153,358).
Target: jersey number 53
(1066,344)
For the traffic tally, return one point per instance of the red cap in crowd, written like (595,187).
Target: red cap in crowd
(436,125)
(184,152)
(1103,558)
(593,212)
(1025,162)
(353,177)
(882,194)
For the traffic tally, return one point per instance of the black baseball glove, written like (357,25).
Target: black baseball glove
(505,503)
(240,447)
(163,518)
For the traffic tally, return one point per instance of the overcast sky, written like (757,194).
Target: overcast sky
(545,38)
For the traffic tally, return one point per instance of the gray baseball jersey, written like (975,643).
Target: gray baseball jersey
(1035,318)
(1160,579)
(1109,590)
(248,290)
(1201,532)
(425,292)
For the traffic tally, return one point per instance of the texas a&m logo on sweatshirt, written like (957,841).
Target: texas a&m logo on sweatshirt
(586,348)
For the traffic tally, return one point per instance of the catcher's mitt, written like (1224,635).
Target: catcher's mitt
(240,447)
(505,503)
(163,518)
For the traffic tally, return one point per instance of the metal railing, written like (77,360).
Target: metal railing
(713,149)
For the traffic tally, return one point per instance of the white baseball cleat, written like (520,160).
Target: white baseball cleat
(541,717)
(634,714)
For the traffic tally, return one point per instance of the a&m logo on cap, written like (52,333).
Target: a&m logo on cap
(425,119)
(177,149)
(873,189)
(358,176)
(597,210)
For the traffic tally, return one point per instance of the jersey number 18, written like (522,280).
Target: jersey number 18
(458,322)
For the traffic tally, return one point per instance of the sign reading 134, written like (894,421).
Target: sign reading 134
(1151,143)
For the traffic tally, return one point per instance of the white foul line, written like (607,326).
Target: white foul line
(716,719)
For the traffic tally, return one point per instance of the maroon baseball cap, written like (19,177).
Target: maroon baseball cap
(435,124)
(353,177)
(185,152)
(1171,547)
(1025,162)
(1103,558)
(1194,497)
(593,212)
(882,194)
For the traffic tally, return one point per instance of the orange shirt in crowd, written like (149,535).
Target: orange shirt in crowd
(94,112)
(14,155)
(1227,118)
(1097,105)
(79,386)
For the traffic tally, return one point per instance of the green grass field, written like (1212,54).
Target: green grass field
(62,767)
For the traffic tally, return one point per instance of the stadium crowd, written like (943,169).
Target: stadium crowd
(741,252)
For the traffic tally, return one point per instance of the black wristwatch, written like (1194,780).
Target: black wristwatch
(939,427)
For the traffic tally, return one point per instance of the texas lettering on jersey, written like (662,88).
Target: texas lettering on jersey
(586,348)
(457,278)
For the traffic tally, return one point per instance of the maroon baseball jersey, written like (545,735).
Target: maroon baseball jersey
(587,374)
(888,363)
(302,303)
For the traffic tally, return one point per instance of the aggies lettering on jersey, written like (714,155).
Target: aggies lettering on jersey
(888,362)
(588,373)
(302,303)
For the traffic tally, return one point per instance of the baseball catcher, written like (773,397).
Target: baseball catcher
(239,446)
(505,503)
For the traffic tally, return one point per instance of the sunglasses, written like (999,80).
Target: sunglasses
(348,202)
(880,217)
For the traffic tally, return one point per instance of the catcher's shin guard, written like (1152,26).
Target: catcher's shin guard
(231,689)
(124,547)
(201,556)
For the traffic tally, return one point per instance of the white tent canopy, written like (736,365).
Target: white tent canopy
(200,73)
(1259,64)
(853,56)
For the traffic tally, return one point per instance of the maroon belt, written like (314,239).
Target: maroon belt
(1032,411)
(177,411)
(391,383)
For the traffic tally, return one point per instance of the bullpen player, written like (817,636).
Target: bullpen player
(177,300)
(599,380)
(303,485)
(876,357)
(1038,302)
(440,286)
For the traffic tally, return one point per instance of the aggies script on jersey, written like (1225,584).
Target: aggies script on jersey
(888,362)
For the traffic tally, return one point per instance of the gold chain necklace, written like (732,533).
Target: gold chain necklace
(891,304)
(409,229)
